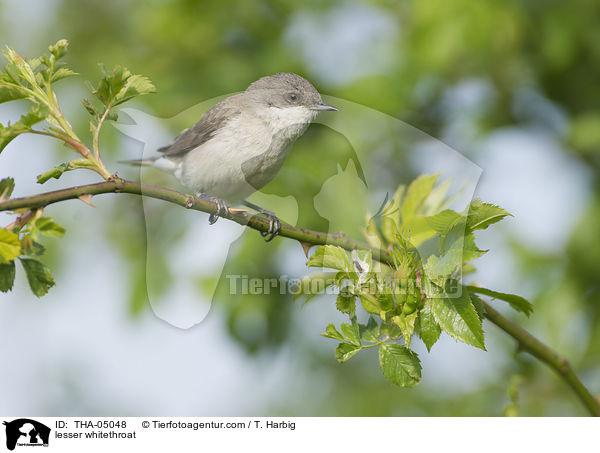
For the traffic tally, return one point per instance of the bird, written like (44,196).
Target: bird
(240,143)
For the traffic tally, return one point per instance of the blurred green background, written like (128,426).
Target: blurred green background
(511,85)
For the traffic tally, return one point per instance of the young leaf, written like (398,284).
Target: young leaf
(346,303)
(516,302)
(351,333)
(444,221)
(481,215)
(330,256)
(10,247)
(345,351)
(7,276)
(406,324)
(427,327)
(11,92)
(135,85)
(35,115)
(58,171)
(399,365)
(416,194)
(62,73)
(369,332)
(7,185)
(59,49)
(457,317)
(38,275)
(48,227)
(332,332)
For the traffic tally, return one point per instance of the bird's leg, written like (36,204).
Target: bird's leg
(222,209)
(274,223)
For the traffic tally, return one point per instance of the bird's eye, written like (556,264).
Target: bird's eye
(293,96)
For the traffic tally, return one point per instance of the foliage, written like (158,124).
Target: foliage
(33,80)
(421,293)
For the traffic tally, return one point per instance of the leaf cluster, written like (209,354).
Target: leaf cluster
(421,292)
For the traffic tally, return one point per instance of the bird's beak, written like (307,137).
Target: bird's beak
(323,106)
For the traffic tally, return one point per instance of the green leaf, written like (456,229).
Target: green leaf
(330,256)
(351,333)
(516,302)
(481,215)
(11,92)
(48,227)
(369,332)
(345,351)
(427,327)
(444,221)
(400,365)
(7,276)
(7,185)
(10,247)
(120,86)
(370,303)
(35,115)
(136,85)
(59,49)
(332,332)
(406,324)
(90,107)
(477,303)
(440,269)
(38,275)
(457,317)
(62,73)
(416,194)
(346,303)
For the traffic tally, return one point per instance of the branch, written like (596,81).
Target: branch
(525,340)
(540,351)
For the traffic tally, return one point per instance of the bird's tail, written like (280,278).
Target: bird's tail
(140,162)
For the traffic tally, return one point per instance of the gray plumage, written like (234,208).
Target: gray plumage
(240,143)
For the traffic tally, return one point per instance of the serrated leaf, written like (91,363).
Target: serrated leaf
(345,351)
(10,247)
(35,115)
(406,324)
(90,107)
(345,303)
(416,194)
(400,365)
(330,256)
(135,85)
(440,269)
(478,304)
(518,303)
(481,215)
(370,303)
(62,73)
(11,92)
(427,327)
(7,185)
(7,276)
(458,318)
(38,275)
(444,221)
(370,331)
(332,332)
(350,333)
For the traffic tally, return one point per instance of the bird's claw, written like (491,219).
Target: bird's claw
(222,211)
(274,227)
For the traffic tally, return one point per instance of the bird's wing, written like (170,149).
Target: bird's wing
(203,130)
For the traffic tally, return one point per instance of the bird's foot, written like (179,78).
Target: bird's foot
(274,223)
(274,227)
(222,211)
